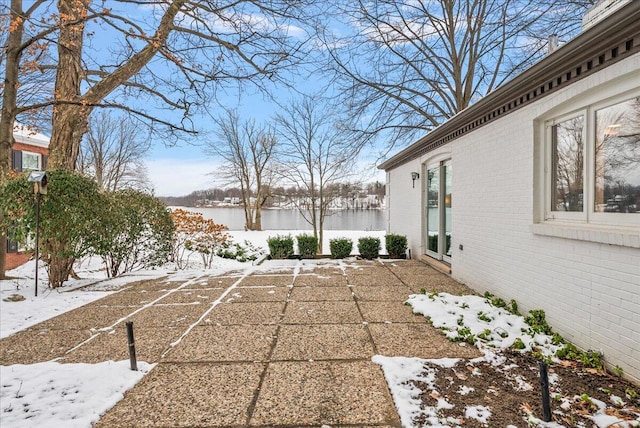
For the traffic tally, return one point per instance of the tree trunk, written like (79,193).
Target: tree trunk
(8,114)
(70,117)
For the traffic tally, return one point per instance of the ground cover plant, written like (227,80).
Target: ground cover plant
(502,387)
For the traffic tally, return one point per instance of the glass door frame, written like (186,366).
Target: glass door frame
(443,164)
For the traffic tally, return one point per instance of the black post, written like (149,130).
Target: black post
(38,197)
(132,346)
(544,385)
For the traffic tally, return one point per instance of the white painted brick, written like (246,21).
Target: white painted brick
(590,291)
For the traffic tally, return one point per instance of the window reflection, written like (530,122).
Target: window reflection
(568,165)
(617,158)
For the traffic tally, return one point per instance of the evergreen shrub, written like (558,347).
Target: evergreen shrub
(307,246)
(340,247)
(396,245)
(369,247)
(280,247)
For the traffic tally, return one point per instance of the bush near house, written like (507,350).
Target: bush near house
(340,247)
(307,246)
(369,247)
(280,247)
(396,245)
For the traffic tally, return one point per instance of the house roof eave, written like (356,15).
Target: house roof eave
(612,38)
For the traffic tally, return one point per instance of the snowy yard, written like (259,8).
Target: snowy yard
(428,393)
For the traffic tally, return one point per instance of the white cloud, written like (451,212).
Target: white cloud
(178,177)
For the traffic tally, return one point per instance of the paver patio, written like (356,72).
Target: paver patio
(291,347)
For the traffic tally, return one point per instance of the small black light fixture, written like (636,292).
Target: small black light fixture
(414,177)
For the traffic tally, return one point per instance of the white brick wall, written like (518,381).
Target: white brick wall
(590,291)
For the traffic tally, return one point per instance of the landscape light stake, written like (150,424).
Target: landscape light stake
(544,385)
(132,346)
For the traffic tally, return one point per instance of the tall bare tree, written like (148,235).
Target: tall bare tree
(113,152)
(247,152)
(195,47)
(167,60)
(316,156)
(407,66)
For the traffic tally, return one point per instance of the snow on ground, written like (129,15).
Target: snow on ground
(74,395)
(63,395)
(493,329)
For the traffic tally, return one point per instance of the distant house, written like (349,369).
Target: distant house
(533,192)
(30,151)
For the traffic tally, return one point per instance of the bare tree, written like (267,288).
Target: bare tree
(246,150)
(168,57)
(409,66)
(316,156)
(112,153)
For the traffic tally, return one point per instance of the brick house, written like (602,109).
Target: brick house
(29,152)
(545,171)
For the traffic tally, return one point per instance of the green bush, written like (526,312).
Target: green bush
(136,232)
(396,245)
(307,246)
(280,247)
(369,248)
(340,247)
(70,213)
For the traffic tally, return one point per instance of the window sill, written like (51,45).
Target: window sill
(620,236)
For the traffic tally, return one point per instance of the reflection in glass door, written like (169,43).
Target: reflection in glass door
(438,210)
(433,213)
(446,167)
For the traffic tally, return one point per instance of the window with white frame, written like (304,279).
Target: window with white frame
(592,171)
(30,161)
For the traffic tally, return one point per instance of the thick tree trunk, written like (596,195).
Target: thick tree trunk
(70,116)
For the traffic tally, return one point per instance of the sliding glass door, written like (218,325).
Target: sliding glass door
(438,208)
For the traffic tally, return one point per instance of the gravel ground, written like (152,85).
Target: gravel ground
(289,349)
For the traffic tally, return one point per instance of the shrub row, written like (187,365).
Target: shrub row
(281,247)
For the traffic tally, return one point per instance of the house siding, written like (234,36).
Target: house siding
(590,291)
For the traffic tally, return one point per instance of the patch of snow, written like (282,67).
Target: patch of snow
(68,395)
(479,413)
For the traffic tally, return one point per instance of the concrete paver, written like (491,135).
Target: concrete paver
(151,343)
(225,343)
(416,340)
(389,312)
(322,342)
(322,312)
(260,294)
(321,294)
(321,392)
(288,347)
(182,395)
(246,313)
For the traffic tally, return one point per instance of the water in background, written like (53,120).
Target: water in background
(277,219)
